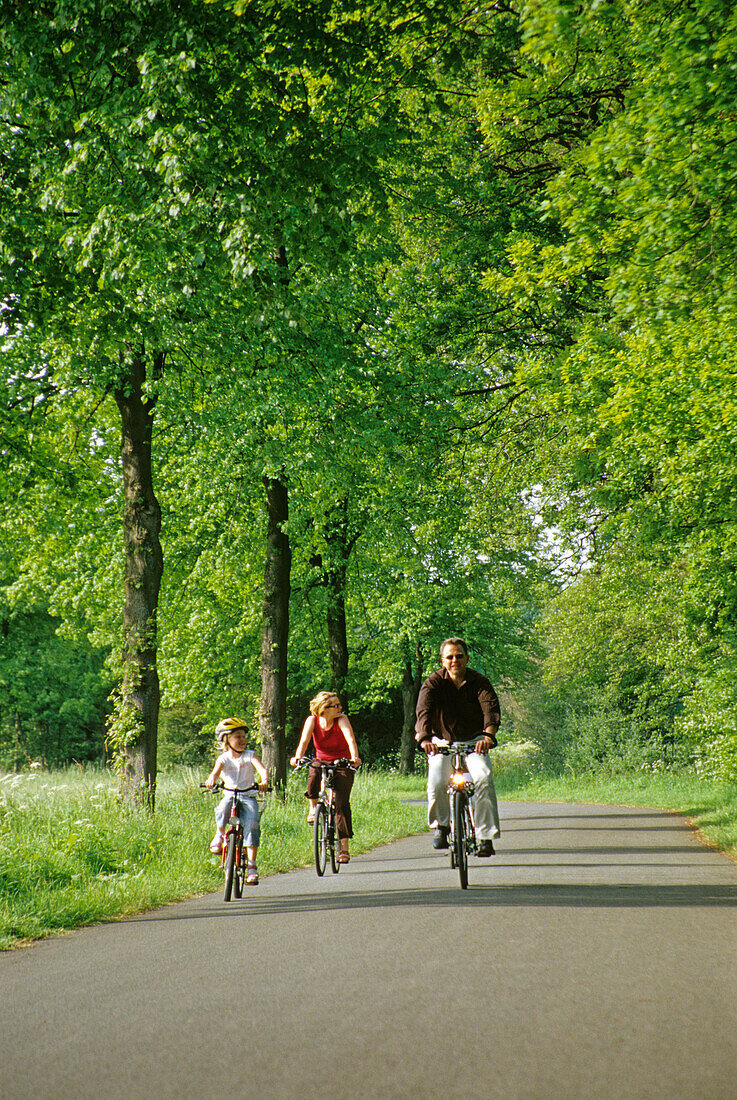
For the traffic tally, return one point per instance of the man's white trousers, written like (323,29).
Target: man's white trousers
(485,809)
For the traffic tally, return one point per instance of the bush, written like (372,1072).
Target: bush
(185,738)
(708,725)
(518,758)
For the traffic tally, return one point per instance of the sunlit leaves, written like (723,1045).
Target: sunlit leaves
(623,116)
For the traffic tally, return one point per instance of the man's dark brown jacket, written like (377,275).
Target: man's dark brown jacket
(457,714)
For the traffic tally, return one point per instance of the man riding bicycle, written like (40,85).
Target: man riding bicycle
(455,704)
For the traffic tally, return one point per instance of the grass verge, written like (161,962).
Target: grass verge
(709,807)
(71,854)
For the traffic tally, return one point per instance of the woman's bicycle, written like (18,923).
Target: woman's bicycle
(462,838)
(232,849)
(325,829)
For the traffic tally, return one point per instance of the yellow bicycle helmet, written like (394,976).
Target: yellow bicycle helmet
(227,725)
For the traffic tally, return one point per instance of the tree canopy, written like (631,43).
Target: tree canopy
(454,286)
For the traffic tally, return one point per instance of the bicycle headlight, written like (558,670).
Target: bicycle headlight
(458,780)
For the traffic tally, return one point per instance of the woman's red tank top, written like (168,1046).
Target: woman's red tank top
(330,744)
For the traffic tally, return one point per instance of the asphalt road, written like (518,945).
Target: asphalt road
(594,957)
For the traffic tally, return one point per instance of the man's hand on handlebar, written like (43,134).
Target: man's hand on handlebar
(487,742)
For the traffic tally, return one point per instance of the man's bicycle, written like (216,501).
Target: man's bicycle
(231,856)
(462,837)
(325,829)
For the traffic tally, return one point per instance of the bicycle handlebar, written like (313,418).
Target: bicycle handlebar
(233,790)
(459,746)
(342,763)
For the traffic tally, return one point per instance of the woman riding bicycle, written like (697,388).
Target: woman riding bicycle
(332,735)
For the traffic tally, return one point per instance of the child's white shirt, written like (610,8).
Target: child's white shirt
(238,771)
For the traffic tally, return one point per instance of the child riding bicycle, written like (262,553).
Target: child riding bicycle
(332,735)
(238,767)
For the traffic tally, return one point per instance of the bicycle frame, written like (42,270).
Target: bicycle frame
(325,829)
(462,824)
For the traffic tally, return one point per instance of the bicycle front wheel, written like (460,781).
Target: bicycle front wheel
(333,843)
(460,851)
(469,828)
(240,869)
(321,839)
(229,866)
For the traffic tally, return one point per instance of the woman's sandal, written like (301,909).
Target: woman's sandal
(310,819)
(344,857)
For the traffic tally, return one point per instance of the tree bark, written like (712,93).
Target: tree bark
(335,570)
(274,643)
(144,563)
(411,683)
(337,631)
(338,638)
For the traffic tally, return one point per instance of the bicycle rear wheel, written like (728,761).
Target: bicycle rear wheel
(460,851)
(321,839)
(229,866)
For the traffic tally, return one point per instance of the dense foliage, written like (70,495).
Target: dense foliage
(460,281)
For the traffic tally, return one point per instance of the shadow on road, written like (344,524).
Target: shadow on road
(600,853)
(554,825)
(573,896)
(615,815)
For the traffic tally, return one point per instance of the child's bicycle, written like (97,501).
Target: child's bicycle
(462,836)
(325,830)
(231,853)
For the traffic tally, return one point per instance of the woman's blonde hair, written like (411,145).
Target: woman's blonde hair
(317,705)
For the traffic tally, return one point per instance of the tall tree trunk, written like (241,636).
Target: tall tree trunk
(411,683)
(275,632)
(335,570)
(144,564)
(337,635)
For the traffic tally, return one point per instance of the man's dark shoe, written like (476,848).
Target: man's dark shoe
(440,837)
(485,848)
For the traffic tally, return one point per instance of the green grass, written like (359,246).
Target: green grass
(71,854)
(710,807)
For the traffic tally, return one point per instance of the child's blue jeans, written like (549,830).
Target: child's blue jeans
(249,817)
